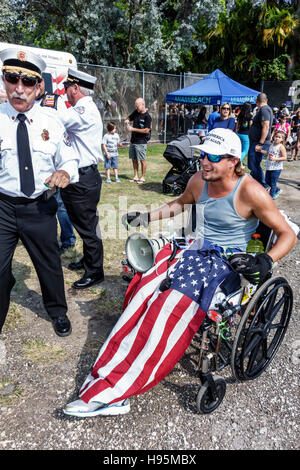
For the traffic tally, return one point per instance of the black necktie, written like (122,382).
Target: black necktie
(25,163)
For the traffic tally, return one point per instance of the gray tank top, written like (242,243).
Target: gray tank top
(219,222)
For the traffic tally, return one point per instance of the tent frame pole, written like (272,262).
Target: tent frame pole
(165,129)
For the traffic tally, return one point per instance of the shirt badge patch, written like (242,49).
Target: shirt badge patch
(67,139)
(80,109)
(49,100)
(45,134)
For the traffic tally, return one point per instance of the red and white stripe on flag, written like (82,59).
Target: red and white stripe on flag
(148,340)
(59,89)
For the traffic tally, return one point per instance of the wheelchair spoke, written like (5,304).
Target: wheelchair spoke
(276,326)
(254,341)
(255,353)
(277,307)
(262,329)
(265,348)
(270,304)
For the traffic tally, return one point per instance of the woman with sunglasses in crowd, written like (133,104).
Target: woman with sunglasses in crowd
(226,121)
(243,124)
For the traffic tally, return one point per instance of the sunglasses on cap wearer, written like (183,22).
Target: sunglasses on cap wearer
(13,78)
(213,158)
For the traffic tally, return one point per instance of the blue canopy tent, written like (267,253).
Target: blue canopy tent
(215,88)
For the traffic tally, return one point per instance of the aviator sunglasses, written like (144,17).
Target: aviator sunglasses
(213,158)
(14,78)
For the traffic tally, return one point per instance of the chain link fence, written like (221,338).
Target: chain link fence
(117,89)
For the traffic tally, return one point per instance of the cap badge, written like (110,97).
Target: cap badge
(21,55)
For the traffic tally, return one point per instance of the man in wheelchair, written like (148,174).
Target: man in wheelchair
(164,307)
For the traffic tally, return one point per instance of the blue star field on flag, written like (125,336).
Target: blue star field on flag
(198,273)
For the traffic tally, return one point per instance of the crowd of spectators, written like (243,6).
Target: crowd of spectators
(277,142)
(183,118)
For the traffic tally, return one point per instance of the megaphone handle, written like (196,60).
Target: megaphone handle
(166,283)
(175,249)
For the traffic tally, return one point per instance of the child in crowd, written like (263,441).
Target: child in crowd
(274,163)
(110,143)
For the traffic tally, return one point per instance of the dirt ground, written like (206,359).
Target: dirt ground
(41,372)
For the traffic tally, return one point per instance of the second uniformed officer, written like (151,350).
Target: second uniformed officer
(84,126)
(34,154)
(67,234)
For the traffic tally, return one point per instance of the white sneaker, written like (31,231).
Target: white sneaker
(88,410)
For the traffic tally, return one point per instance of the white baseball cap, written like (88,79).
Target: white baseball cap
(221,141)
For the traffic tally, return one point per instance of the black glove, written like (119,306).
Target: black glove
(135,219)
(256,269)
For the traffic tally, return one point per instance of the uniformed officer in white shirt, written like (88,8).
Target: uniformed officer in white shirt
(84,126)
(35,153)
(67,234)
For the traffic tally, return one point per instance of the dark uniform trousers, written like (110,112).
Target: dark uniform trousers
(81,200)
(34,223)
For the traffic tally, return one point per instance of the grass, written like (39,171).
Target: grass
(14,316)
(151,192)
(9,392)
(120,198)
(36,350)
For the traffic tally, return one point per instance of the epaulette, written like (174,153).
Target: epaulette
(49,100)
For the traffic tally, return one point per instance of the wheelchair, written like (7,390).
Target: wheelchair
(243,330)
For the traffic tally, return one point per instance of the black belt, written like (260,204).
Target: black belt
(86,169)
(20,200)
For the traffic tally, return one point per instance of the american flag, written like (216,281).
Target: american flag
(156,327)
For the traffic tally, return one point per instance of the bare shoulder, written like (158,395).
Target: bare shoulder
(193,190)
(260,202)
(251,190)
(195,185)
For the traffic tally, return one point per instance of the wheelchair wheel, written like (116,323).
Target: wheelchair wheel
(261,329)
(206,402)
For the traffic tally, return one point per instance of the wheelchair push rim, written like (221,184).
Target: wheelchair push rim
(262,329)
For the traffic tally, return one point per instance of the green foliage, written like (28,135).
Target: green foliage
(255,37)
(237,36)
(273,69)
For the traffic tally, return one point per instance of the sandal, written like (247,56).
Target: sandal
(134,180)
(141,181)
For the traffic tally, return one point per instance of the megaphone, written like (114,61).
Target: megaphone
(141,250)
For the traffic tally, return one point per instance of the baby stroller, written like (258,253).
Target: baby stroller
(184,164)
